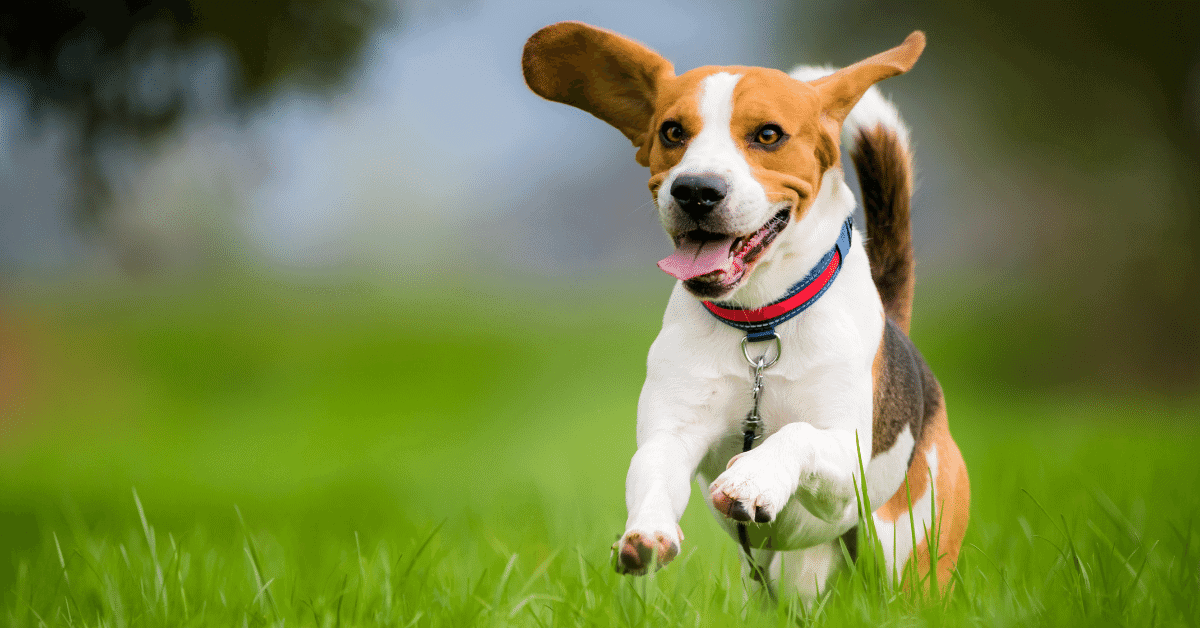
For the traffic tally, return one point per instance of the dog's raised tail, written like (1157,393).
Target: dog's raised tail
(878,141)
(879,148)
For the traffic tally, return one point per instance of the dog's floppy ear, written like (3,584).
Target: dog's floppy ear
(841,90)
(607,75)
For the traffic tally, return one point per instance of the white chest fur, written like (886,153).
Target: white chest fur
(698,386)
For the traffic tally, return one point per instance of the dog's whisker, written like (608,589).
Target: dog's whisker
(643,206)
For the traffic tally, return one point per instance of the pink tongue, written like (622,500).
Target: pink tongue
(693,258)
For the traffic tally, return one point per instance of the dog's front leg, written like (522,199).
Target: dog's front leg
(818,466)
(656,493)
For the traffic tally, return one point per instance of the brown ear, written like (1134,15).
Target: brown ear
(601,72)
(841,90)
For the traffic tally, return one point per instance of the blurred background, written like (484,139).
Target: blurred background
(178,139)
(305,248)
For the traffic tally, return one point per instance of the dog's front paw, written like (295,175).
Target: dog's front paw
(639,552)
(751,488)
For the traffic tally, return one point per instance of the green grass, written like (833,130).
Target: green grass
(341,454)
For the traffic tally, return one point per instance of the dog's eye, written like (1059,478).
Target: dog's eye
(768,134)
(672,133)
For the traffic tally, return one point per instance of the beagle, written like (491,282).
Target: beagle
(745,171)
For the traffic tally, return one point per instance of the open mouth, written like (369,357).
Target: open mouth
(712,263)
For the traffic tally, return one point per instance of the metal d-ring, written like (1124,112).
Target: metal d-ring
(761,362)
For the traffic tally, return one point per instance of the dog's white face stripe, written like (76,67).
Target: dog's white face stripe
(713,151)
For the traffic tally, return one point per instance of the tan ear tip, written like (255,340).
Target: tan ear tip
(537,45)
(552,36)
(529,57)
(559,30)
(916,39)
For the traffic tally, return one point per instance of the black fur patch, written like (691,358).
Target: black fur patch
(906,396)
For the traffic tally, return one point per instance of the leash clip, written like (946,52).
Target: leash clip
(761,362)
(752,425)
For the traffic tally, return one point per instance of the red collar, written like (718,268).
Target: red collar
(759,323)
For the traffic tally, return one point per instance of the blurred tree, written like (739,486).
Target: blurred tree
(125,71)
(1092,111)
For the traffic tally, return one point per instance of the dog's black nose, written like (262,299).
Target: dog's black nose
(698,194)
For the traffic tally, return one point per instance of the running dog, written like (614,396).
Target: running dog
(783,366)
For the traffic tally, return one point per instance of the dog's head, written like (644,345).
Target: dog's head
(736,154)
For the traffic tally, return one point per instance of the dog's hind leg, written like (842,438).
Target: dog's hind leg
(765,563)
(923,524)
(806,572)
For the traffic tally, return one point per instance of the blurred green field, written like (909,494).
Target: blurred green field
(346,453)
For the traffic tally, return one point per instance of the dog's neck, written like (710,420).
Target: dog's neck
(800,247)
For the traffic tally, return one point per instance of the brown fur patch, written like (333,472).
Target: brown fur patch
(906,394)
(916,483)
(827,152)
(884,170)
